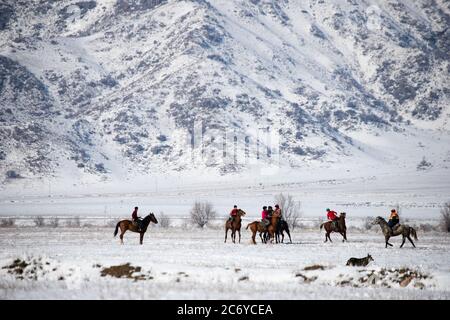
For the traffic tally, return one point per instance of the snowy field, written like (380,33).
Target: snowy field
(191,263)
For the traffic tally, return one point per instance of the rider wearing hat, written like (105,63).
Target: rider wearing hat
(393,219)
(332,216)
(135,218)
(233,213)
(264,217)
(278,213)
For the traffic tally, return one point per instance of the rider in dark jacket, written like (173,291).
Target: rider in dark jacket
(136,220)
(393,219)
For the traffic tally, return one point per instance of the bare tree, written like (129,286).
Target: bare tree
(290,209)
(202,213)
(163,220)
(445,217)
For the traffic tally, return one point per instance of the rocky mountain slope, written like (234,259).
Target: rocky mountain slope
(89,87)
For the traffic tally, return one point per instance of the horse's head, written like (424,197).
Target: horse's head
(152,218)
(342,214)
(378,220)
(369,257)
(241,212)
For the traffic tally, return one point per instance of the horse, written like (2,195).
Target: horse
(330,227)
(257,226)
(234,226)
(283,226)
(128,225)
(402,229)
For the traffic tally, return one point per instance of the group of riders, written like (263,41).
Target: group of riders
(268,212)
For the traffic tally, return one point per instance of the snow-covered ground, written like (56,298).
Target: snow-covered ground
(190,263)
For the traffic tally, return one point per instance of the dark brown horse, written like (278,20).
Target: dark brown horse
(234,226)
(282,227)
(257,226)
(125,225)
(330,227)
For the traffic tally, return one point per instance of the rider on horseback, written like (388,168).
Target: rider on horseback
(278,213)
(264,217)
(233,213)
(394,220)
(332,216)
(269,212)
(137,221)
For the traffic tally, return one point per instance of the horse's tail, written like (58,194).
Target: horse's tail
(248,225)
(117,229)
(321,225)
(413,232)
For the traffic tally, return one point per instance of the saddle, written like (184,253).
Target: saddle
(264,224)
(137,223)
(335,225)
(395,227)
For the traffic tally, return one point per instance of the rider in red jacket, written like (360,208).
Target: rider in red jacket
(332,215)
(233,213)
(265,216)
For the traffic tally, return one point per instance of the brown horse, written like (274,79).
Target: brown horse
(257,226)
(330,227)
(128,225)
(234,226)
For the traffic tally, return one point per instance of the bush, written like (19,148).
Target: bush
(202,213)
(54,222)
(290,209)
(74,223)
(424,164)
(426,227)
(368,223)
(111,223)
(164,221)
(445,217)
(7,222)
(38,221)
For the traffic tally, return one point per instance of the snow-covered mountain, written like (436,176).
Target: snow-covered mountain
(95,87)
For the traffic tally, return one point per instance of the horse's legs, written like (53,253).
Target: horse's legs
(253,236)
(122,232)
(326,237)
(403,241)
(226,234)
(329,238)
(141,237)
(239,231)
(289,234)
(342,234)
(387,241)
(233,235)
(410,240)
